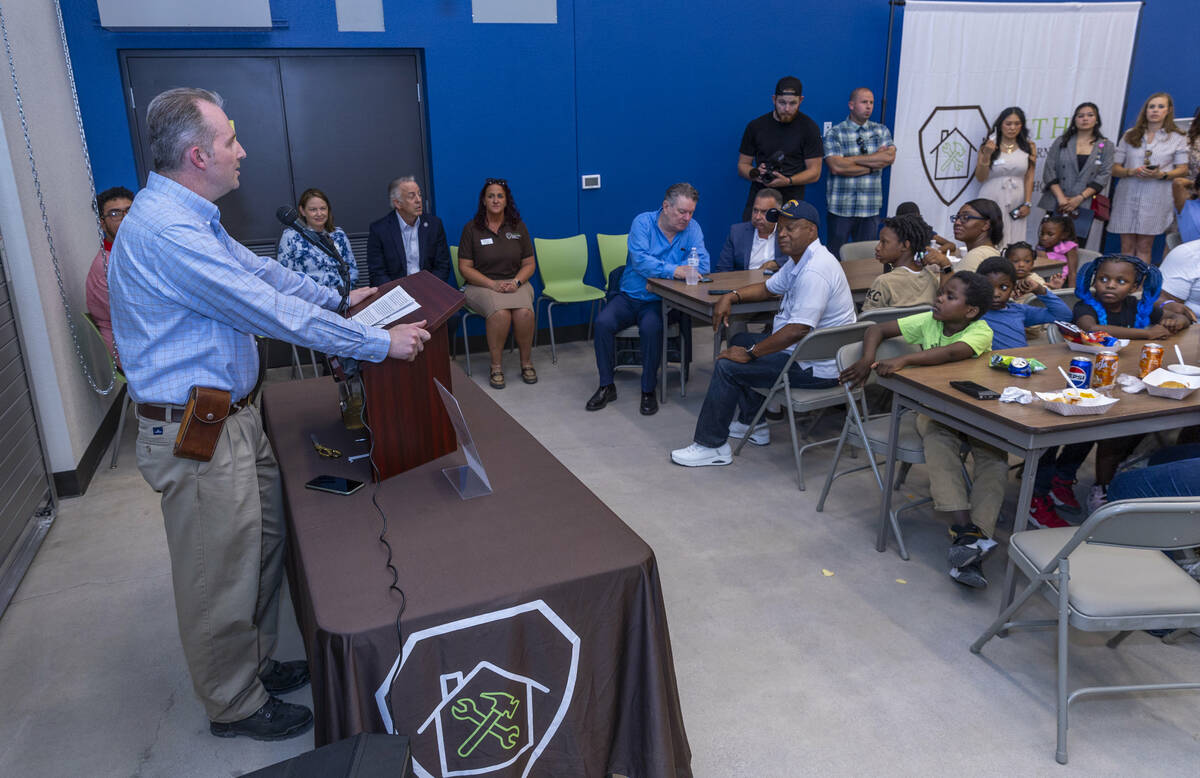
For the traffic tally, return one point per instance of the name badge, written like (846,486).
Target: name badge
(485,242)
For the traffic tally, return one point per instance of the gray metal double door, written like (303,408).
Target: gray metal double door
(343,121)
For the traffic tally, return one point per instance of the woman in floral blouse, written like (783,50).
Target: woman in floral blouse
(296,253)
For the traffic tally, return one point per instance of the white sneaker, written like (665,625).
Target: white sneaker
(1096,497)
(696,455)
(761,436)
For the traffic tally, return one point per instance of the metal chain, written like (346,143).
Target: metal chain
(37,185)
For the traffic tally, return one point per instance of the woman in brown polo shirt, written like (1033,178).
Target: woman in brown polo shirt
(495,257)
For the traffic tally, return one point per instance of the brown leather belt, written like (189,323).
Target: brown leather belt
(174,413)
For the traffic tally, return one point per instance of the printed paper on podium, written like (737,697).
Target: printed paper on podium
(469,480)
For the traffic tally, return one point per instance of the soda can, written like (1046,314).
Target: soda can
(1104,374)
(1152,356)
(1080,372)
(1020,368)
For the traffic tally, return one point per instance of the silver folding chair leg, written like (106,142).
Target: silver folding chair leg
(297,371)
(550,318)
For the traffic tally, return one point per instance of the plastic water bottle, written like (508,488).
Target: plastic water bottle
(693,272)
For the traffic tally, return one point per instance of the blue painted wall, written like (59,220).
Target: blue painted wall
(644,94)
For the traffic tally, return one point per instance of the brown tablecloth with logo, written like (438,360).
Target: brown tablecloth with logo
(534,628)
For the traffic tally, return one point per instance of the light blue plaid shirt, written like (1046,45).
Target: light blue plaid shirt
(187,300)
(855,195)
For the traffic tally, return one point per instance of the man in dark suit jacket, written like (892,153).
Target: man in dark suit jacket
(407,240)
(739,250)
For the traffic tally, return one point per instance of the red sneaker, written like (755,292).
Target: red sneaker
(1062,492)
(1041,511)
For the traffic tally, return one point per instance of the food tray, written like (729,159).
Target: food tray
(1088,349)
(1086,407)
(1160,375)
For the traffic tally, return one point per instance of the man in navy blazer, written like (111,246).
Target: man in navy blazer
(753,244)
(407,240)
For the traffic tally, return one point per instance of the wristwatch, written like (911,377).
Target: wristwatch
(518,283)
(750,353)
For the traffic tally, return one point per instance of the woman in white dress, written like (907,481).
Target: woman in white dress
(1006,169)
(1147,159)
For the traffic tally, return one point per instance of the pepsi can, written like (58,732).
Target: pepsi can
(1080,372)
(1020,368)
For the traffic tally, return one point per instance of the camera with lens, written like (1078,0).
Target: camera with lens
(772,165)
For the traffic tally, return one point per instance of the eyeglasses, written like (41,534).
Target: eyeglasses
(116,213)
(966,217)
(500,181)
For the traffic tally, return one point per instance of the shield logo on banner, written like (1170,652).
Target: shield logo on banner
(482,695)
(949,141)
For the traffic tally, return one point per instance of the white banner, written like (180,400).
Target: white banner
(962,63)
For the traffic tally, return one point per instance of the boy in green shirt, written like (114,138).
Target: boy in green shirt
(952,331)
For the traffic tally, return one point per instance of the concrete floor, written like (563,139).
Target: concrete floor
(799,649)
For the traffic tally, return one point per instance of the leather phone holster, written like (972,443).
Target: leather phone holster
(203,418)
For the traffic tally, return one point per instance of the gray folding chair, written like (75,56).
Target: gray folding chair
(860,427)
(1086,255)
(878,315)
(1109,574)
(817,344)
(859,249)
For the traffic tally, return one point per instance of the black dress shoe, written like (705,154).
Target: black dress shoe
(276,720)
(284,677)
(649,404)
(603,396)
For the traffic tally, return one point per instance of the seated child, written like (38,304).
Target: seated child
(1104,288)
(908,207)
(1008,320)
(901,240)
(952,331)
(1021,255)
(1056,241)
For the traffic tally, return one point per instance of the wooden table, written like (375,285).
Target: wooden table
(1028,430)
(696,301)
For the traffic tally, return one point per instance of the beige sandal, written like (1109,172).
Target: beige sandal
(528,374)
(496,379)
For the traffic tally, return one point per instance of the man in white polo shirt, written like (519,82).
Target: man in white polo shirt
(815,295)
(1181,280)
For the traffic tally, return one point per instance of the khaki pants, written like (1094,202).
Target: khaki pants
(989,474)
(225,534)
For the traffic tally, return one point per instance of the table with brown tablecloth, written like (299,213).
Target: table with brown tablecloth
(534,629)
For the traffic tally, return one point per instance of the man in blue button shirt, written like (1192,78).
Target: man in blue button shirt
(659,244)
(187,300)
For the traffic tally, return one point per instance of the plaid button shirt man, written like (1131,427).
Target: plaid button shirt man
(857,151)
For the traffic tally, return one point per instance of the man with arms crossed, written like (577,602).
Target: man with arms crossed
(857,151)
(815,295)
(187,300)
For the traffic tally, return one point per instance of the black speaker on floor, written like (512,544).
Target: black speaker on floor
(362,756)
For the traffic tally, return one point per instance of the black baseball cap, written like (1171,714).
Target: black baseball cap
(794,209)
(788,85)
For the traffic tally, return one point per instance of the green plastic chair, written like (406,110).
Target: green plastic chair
(118,382)
(563,263)
(614,250)
(468,311)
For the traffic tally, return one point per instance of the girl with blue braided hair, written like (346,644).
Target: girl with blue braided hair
(1104,288)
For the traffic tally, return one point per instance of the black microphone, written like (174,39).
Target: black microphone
(290,217)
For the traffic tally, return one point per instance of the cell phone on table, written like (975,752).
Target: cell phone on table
(978,391)
(719,291)
(334,484)
(706,279)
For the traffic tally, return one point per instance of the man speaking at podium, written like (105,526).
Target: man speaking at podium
(187,300)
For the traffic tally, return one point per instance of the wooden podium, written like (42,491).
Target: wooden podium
(408,422)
